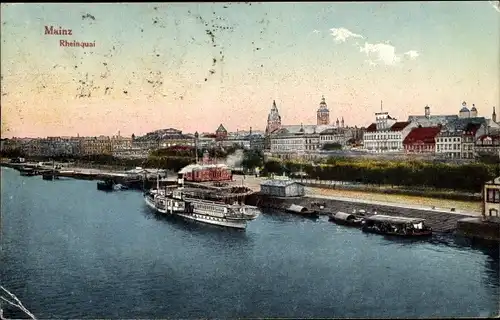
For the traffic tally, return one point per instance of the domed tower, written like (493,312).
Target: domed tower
(427,112)
(323,114)
(473,111)
(273,119)
(464,112)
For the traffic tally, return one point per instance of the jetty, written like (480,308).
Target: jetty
(137,178)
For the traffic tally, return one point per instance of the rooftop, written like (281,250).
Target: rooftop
(398,126)
(425,135)
(461,124)
(432,120)
(221,128)
(489,137)
(494,181)
(372,128)
(278,183)
(308,129)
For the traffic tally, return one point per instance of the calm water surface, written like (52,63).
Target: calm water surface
(71,251)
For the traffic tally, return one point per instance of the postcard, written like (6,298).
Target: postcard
(250,160)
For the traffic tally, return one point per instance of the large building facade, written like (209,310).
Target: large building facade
(304,140)
(386,134)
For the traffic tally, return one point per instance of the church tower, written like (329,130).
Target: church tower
(273,119)
(494,115)
(323,114)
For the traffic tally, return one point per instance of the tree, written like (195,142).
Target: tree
(273,166)
(252,159)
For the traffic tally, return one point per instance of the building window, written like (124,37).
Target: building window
(493,195)
(494,212)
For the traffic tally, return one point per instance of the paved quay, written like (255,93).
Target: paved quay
(254,183)
(312,194)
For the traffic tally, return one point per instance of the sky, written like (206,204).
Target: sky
(193,66)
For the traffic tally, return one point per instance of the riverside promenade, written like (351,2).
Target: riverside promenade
(463,208)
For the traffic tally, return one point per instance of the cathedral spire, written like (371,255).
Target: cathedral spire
(322,114)
(273,119)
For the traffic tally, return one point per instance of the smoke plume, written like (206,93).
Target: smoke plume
(235,159)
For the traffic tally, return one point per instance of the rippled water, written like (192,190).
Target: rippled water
(71,251)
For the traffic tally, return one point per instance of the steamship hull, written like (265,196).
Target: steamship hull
(151,204)
(206,205)
(195,215)
(199,210)
(214,220)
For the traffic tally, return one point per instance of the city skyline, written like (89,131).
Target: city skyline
(194,66)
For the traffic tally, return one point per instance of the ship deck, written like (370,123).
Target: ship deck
(227,193)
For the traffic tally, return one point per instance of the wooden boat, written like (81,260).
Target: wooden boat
(345,219)
(106,185)
(302,211)
(48,176)
(396,226)
(28,172)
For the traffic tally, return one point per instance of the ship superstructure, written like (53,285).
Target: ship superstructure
(218,203)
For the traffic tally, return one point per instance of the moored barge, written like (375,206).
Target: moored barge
(345,219)
(302,211)
(396,226)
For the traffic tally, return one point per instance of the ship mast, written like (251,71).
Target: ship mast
(157,180)
(196,135)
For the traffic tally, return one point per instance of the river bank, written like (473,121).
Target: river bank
(439,221)
(472,208)
(329,190)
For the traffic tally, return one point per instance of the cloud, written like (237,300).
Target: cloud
(342,34)
(382,52)
(316,31)
(412,54)
(495,5)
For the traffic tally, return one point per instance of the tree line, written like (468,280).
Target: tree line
(415,174)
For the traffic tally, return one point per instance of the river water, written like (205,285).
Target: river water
(71,251)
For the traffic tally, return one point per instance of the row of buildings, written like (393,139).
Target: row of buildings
(464,135)
(130,147)
(461,136)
